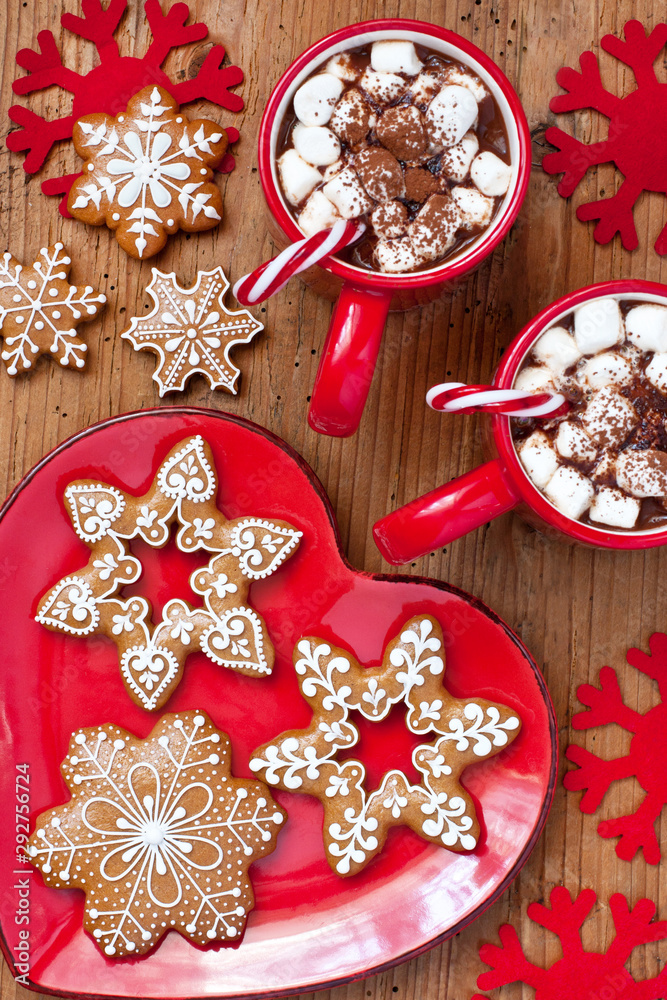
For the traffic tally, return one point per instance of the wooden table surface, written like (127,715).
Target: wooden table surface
(576,609)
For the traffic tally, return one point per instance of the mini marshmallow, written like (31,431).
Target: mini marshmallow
(450,114)
(609,417)
(395,57)
(646,327)
(380,173)
(455,161)
(390,220)
(476,209)
(557,349)
(608,368)
(297,177)
(598,324)
(538,458)
(332,170)
(347,194)
(352,117)
(383,87)
(490,174)
(573,442)
(462,78)
(656,372)
(316,144)
(424,88)
(615,509)
(397,256)
(315,99)
(318,214)
(570,491)
(534,380)
(605,470)
(642,473)
(435,225)
(342,67)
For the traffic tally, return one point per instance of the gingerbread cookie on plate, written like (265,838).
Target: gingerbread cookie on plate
(157,833)
(334,684)
(223,625)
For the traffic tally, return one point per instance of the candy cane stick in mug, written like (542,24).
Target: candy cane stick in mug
(273,275)
(457,397)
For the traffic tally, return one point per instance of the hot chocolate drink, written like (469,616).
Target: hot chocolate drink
(403,139)
(605,461)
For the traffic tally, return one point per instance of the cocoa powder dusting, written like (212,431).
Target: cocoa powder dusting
(419,184)
(401,130)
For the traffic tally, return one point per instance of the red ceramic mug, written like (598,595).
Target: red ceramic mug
(500,485)
(365,297)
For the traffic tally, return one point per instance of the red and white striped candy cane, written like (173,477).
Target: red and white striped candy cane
(270,277)
(457,397)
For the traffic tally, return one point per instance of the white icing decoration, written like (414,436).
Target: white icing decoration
(93,509)
(71,607)
(187,475)
(148,671)
(264,546)
(237,640)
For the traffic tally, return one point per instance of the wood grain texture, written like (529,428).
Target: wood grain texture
(576,609)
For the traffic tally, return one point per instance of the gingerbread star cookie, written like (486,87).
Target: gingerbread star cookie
(40,311)
(334,684)
(147,172)
(157,833)
(223,626)
(191,330)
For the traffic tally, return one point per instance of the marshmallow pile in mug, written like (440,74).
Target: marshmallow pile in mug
(394,141)
(606,459)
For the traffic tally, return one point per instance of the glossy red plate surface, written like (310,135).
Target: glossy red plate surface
(310,928)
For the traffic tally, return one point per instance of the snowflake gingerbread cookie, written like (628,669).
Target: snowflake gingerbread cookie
(645,761)
(147,172)
(110,84)
(585,975)
(157,833)
(223,626)
(191,330)
(334,684)
(636,142)
(40,311)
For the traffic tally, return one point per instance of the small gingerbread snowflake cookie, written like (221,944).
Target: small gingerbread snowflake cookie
(192,331)
(148,172)
(334,684)
(40,311)
(157,833)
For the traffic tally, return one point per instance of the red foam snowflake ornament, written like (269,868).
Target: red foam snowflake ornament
(585,975)
(636,141)
(108,87)
(646,760)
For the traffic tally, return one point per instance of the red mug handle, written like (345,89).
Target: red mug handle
(452,510)
(348,360)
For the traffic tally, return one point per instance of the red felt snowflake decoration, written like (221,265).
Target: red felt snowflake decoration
(107,88)
(586,975)
(636,142)
(646,761)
